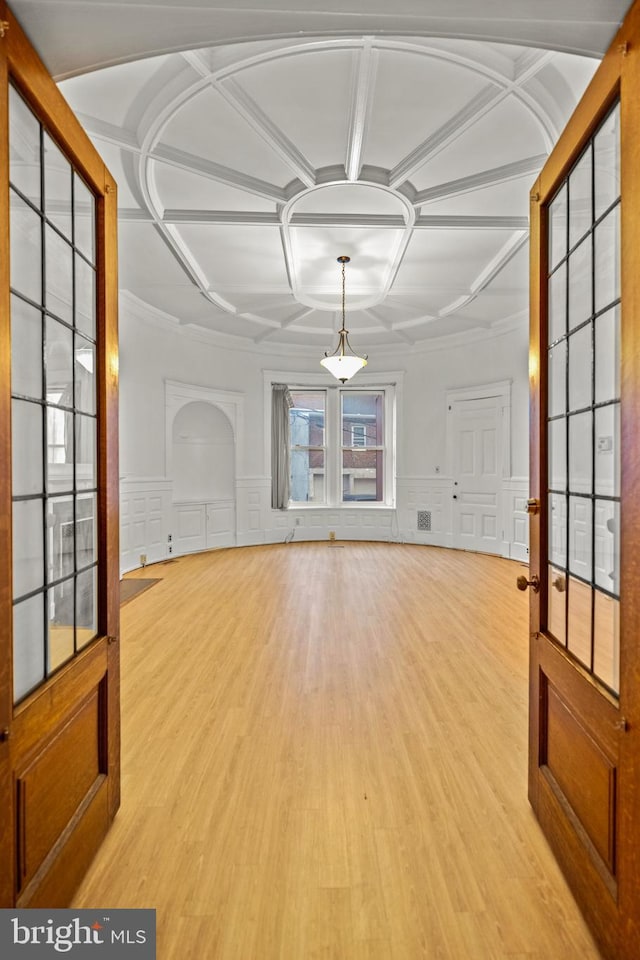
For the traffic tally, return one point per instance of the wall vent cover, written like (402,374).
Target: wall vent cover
(424,520)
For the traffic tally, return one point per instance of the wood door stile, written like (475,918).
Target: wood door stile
(60,744)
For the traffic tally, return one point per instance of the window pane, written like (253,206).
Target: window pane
(59,364)
(580,527)
(606,636)
(557,454)
(306,419)
(558,529)
(59,450)
(85,298)
(580,368)
(607,541)
(558,228)
(608,451)
(606,160)
(362,475)
(28,645)
(362,420)
(26,433)
(26,245)
(85,365)
(557,396)
(579,625)
(580,198)
(607,358)
(558,304)
(24,148)
(607,259)
(580,453)
(59,274)
(60,537)
(86,530)
(307,476)
(28,550)
(60,604)
(86,607)
(86,472)
(57,186)
(26,349)
(84,205)
(557,604)
(580,306)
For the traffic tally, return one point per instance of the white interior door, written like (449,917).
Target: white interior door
(476,426)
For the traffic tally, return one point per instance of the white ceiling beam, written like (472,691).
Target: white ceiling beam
(294,318)
(531,62)
(262,124)
(215,171)
(361,105)
(486,178)
(484,101)
(377,318)
(197,62)
(109,133)
(488,274)
(248,218)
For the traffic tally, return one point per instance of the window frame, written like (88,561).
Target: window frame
(333,448)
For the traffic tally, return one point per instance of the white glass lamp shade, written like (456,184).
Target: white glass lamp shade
(343,367)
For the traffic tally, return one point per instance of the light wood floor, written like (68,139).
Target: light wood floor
(324,756)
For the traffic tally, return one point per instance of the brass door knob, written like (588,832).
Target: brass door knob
(522,583)
(560,584)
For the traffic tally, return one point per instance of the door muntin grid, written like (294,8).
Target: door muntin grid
(583,407)
(54,405)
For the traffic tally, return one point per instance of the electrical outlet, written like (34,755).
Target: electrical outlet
(143,559)
(332,534)
(170,549)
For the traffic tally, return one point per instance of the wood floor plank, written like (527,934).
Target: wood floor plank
(325,757)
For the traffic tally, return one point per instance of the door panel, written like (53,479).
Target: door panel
(584,772)
(59,596)
(476,439)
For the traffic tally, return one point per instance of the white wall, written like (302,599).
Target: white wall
(154,349)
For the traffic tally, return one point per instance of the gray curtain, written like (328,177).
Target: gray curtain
(281,403)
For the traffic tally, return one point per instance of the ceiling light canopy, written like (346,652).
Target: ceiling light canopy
(341,364)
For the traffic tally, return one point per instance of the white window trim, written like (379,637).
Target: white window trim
(390,383)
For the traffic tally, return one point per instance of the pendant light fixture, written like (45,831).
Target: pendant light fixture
(341,364)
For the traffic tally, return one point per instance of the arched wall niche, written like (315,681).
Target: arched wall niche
(186,408)
(203,453)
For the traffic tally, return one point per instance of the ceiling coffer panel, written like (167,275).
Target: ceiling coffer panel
(248,169)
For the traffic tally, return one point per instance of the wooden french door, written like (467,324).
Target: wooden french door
(584,777)
(59,618)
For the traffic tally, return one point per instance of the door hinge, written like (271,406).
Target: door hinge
(533,506)
(4,27)
(5,733)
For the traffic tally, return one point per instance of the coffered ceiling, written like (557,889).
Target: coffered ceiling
(246,169)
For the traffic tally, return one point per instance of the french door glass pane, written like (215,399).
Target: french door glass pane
(85,383)
(86,607)
(26,453)
(558,228)
(579,620)
(86,530)
(558,304)
(580,368)
(607,457)
(57,187)
(580,536)
(557,592)
(84,207)
(60,533)
(607,356)
(86,476)
(607,259)
(580,456)
(59,274)
(28,547)
(28,645)
(26,249)
(26,349)
(558,529)
(580,299)
(606,629)
(607,545)
(61,617)
(24,148)
(85,297)
(580,199)
(606,159)
(557,398)
(59,450)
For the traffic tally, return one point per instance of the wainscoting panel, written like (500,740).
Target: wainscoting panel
(145,505)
